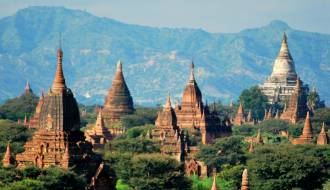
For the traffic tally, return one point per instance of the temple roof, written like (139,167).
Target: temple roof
(192,93)
(284,65)
(119,93)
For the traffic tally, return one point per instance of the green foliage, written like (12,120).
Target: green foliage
(133,145)
(141,116)
(16,134)
(289,166)
(139,131)
(254,99)
(206,184)
(322,115)
(155,171)
(56,179)
(313,101)
(17,108)
(52,178)
(26,184)
(232,175)
(122,186)
(229,150)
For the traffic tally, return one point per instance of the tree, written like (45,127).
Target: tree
(313,101)
(18,107)
(155,171)
(229,150)
(289,166)
(254,99)
(26,184)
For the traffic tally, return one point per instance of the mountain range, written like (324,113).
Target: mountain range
(155,60)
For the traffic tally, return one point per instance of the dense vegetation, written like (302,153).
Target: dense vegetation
(32,178)
(254,99)
(17,108)
(138,163)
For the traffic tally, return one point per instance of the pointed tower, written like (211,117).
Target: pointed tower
(280,84)
(249,117)
(258,139)
(27,89)
(297,108)
(26,122)
(239,118)
(59,127)
(192,95)
(98,135)
(119,101)
(34,121)
(323,139)
(245,180)
(8,160)
(307,134)
(214,184)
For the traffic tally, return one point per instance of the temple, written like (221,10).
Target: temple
(307,134)
(98,134)
(281,83)
(297,108)
(176,127)
(323,138)
(240,117)
(245,180)
(58,139)
(7,160)
(27,89)
(258,139)
(119,101)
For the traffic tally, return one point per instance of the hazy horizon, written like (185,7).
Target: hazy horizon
(212,15)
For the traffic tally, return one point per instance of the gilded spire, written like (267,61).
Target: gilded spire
(59,81)
(245,180)
(7,159)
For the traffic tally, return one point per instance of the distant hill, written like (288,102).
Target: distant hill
(156,60)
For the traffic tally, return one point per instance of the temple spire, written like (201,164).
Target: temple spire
(307,131)
(59,81)
(214,184)
(192,72)
(245,180)
(284,51)
(168,104)
(27,88)
(99,124)
(322,139)
(119,66)
(7,159)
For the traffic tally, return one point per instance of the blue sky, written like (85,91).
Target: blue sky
(210,15)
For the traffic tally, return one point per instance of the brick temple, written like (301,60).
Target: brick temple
(58,139)
(119,101)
